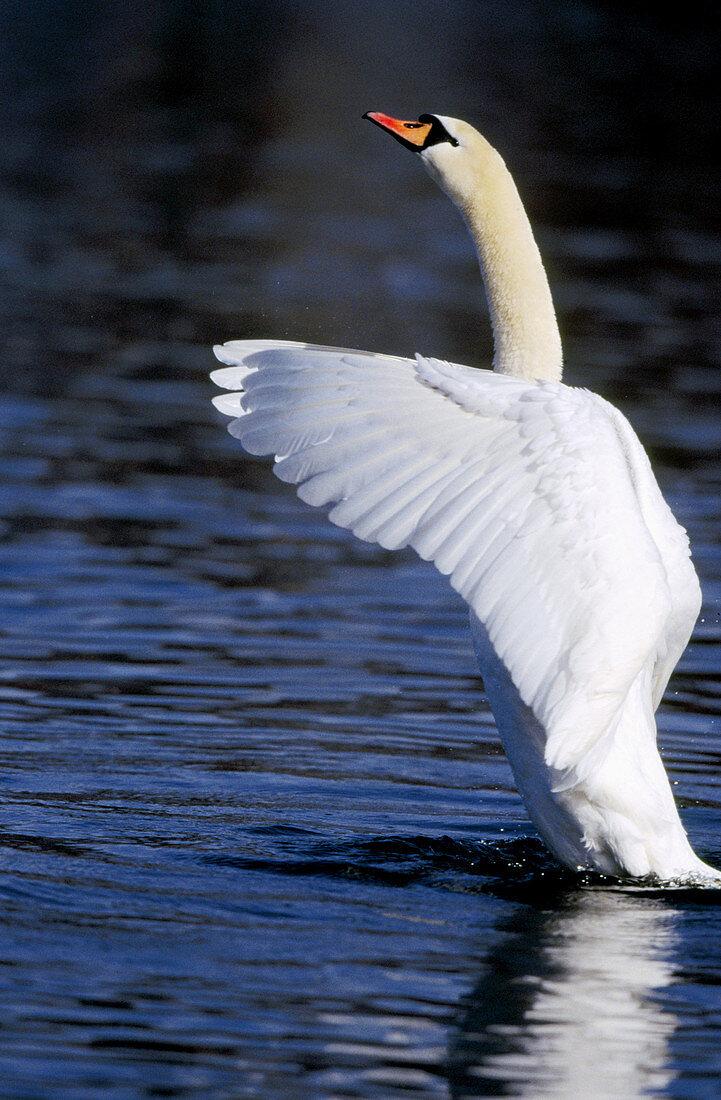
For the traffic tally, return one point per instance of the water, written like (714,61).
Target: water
(258,836)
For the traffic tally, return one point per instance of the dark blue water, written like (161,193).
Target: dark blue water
(258,835)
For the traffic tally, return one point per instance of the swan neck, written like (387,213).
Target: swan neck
(525,331)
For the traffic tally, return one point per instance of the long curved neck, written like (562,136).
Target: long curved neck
(525,332)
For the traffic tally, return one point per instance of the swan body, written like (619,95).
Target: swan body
(535,498)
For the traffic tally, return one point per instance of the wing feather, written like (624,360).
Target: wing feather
(536,499)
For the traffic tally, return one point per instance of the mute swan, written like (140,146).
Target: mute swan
(536,499)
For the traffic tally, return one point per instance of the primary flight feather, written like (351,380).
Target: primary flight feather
(536,499)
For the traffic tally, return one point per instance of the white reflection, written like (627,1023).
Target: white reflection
(568,1007)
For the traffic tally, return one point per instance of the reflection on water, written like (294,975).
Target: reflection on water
(569,1005)
(258,837)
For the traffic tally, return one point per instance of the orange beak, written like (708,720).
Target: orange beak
(411,134)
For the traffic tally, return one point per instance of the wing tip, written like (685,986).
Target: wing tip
(229,404)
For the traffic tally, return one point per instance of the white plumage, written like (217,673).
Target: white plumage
(539,503)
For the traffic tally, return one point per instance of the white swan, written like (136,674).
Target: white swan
(536,499)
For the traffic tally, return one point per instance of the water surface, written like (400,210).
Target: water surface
(258,835)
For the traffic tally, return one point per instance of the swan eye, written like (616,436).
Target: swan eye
(438,132)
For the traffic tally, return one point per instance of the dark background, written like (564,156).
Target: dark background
(173,170)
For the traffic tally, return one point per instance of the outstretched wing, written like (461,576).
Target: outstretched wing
(523,493)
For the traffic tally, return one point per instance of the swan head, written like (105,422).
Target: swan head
(473,175)
(455,155)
